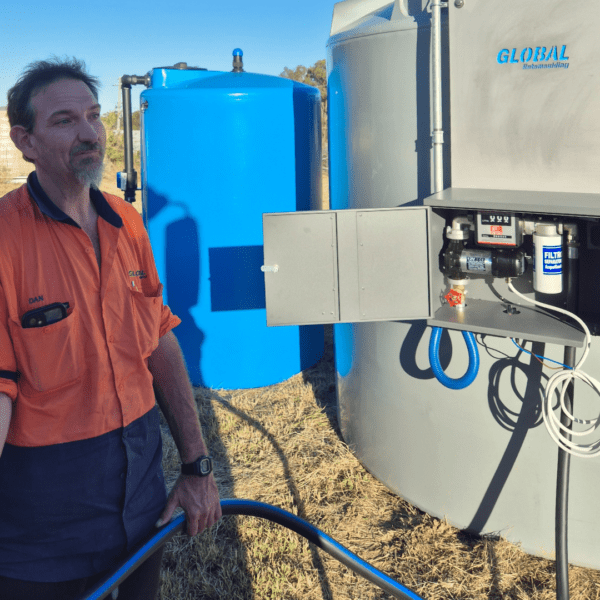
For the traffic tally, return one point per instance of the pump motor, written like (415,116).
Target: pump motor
(459,261)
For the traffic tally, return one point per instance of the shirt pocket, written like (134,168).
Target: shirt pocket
(50,357)
(147,311)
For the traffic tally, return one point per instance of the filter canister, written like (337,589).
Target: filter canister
(547,259)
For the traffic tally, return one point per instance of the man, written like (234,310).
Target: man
(85,345)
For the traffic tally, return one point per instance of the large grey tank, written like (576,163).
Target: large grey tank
(521,129)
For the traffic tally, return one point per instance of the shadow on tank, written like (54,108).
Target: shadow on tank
(179,265)
(520,422)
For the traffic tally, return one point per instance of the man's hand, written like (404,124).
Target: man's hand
(199,498)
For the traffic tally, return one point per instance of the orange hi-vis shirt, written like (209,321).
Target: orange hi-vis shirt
(87,374)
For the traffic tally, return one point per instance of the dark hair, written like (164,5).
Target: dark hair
(38,75)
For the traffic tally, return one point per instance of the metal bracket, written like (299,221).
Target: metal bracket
(433,3)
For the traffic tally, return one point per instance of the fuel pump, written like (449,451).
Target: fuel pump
(492,244)
(501,245)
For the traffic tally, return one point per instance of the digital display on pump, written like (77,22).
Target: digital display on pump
(498,229)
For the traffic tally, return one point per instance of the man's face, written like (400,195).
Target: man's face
(68,136)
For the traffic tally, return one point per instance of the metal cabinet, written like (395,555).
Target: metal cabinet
(364,265)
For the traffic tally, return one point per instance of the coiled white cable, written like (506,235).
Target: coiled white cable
(558,432)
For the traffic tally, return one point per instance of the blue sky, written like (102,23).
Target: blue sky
(124,37)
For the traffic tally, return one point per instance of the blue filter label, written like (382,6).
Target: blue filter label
(552,260)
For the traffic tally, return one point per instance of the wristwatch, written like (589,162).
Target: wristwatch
(201,467)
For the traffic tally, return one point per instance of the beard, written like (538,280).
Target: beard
(89,170)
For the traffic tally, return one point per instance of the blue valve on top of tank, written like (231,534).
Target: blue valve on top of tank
(238,62)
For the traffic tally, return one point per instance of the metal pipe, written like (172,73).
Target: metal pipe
(436,84)
(128,143)
(126,82)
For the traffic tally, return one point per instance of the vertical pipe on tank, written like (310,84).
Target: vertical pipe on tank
(126,82)
(436,84)
(128,143)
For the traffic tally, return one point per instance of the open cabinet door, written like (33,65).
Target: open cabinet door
(347,266)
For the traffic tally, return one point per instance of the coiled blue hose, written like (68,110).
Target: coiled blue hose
(434,358)
(265,511)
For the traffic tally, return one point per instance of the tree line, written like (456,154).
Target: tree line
(317,77)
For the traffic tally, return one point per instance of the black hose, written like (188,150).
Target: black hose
(265,511)
(564,458)
(562,495)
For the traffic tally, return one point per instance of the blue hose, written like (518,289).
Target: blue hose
(434,358)
(265,511)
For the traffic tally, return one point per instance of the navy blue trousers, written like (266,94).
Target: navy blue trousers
(142,584)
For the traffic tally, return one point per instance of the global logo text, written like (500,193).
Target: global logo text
(540,57)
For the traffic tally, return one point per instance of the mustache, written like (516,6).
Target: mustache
(86,147)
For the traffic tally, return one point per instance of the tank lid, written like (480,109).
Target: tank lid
(356,18)
(228,80)
(348,12)
(183,66)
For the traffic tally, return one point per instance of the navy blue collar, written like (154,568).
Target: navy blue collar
(50,209)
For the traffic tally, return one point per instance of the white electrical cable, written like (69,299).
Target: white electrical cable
(558,432)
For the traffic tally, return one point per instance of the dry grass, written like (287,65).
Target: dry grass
(281,445)
(325,203)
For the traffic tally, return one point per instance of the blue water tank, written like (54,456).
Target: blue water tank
(219,150)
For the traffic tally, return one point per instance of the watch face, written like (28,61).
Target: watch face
(205,466)
(201,467)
